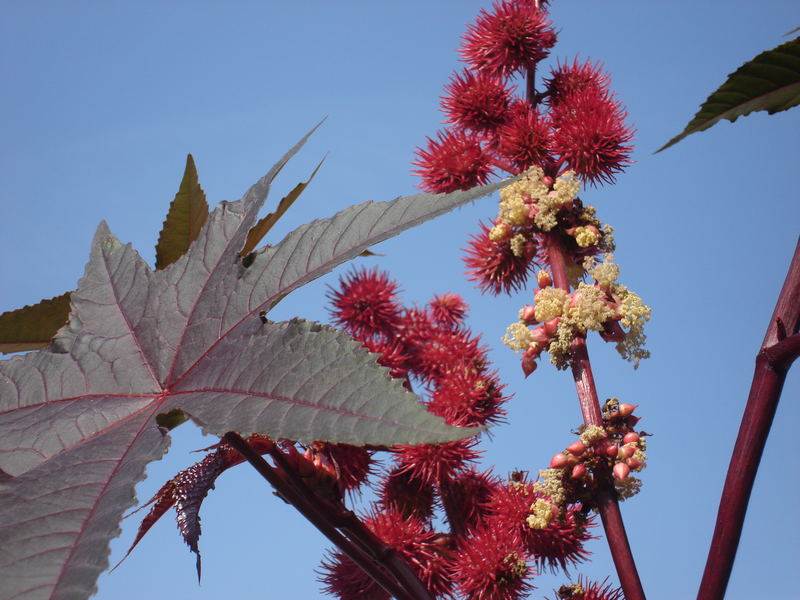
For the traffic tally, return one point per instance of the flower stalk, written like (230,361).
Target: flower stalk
(780,347)
(607,503)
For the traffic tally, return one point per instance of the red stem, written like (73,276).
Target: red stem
(376,559)
(772,364)
(607,503)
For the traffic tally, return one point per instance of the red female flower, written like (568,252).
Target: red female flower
(476,101)
(525,138)
(591,135)
(366,303)
(468,397)
(456,161)
(468,494)
(514,36)
(557,545)
(434,463)
(407,495)
(392,354)
(493,264)
(448,310)
(492,566)
(568,79)
(353,464)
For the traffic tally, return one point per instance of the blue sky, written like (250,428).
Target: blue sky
(102,102)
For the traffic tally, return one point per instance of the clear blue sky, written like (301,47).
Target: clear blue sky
(102,101)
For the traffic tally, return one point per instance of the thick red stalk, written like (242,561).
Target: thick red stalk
(780,347)
(376,559)
(607,503)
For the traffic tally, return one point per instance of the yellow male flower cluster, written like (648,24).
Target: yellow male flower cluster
(549,484)
(551,302)
(542,514)
(589,308)
(528,200)
(592,433)
(635,314)
(517,337)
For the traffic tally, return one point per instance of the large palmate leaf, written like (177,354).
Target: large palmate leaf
(78,418)
(770,82)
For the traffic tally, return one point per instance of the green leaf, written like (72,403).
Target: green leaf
(32,327)
(187,215)
(770,82)
(260,229)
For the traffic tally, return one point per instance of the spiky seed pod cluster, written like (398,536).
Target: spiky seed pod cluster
(575,123)
(488,549)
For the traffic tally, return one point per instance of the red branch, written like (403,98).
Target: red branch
(772,364)
(358,543)
(590,409)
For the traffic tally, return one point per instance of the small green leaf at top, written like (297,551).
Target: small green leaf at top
(187,215)
(770,82)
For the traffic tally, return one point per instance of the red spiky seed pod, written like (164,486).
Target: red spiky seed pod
(468,397)
(514,36)
(524,139)
(492,565)
(454,161)
(448,310)
(437,351)
(401,493)
(468,494)
(559,544)
(353,464)
(476,100)
(568,78)
(591,136)
(494,266)
(365,303)
(434,463)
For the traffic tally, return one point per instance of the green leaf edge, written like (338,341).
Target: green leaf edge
(725,102)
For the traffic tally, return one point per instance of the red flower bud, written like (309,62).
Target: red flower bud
(633,463)
(529,362)
(544,279)
(547,180)
(577,448)
(612,451)
(559,461)
(631,438)
(529,314)
(552,326)
(578,471)
(626,452)
(626,409)
(539,335)
(621,470)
